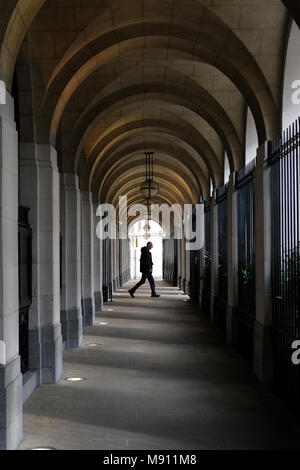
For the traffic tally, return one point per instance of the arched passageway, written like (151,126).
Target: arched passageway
(86,90)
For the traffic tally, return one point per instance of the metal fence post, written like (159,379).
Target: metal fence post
(263,356)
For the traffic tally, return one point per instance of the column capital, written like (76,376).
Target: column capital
(28,153)
(86,196)
(7,110)
(231,182)
(69,181)
(46,155)
(262,154)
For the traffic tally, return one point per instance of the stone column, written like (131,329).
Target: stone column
(104,271)
(29,197)
(214,253)
(232,260)
(87,256)
(187,269)
(110,267)
(70,214)
(114,259)
(39,190)
(263,357)
(120,265)
(97,264)
(126,260)
(49,264)
(183,263)
(202,254)
(10,375)
(179,265)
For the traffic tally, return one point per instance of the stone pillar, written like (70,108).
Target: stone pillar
(120,265)
(70,215)
(232,260)
(117,264)
(110,267)
(104,271)
(202,254)
(126,250)
(10,374)
(114,259)
(39,190)
(263,357)
(179,280)
(214,253)
(98,297)
(87,256)
(187,269)
(29,197)
(49,264)
(178,263)
(183,265)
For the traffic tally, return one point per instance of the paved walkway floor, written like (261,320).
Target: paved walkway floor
(162,378)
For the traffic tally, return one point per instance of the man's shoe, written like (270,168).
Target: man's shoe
(131,293)
(155,295)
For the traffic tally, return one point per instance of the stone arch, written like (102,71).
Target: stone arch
(234,61)
(124,175)
(131,157)
(202,103)
(291,78)
(196,141)
(20,13)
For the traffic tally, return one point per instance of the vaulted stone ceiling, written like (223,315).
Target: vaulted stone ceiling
(106,80)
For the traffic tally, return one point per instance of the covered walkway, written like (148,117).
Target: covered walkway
(162,377)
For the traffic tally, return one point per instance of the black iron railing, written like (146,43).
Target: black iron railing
(246,261)
(206,293)
(220,301)
(194,266)
(284,158)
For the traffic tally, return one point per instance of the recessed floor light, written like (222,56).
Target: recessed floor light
(103,323)
(75,379)
(42,448)
(93,345)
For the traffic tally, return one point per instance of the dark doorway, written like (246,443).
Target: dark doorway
(25,285)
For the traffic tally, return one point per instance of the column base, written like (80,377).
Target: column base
(88,312)
(105,293)
(10,405)
(263,353)
(35,353)
(52,360)
(71,327)
(187,287)
(98,301)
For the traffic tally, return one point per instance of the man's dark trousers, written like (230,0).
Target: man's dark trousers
(145,275)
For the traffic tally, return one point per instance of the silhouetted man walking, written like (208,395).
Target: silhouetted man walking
(146,266)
